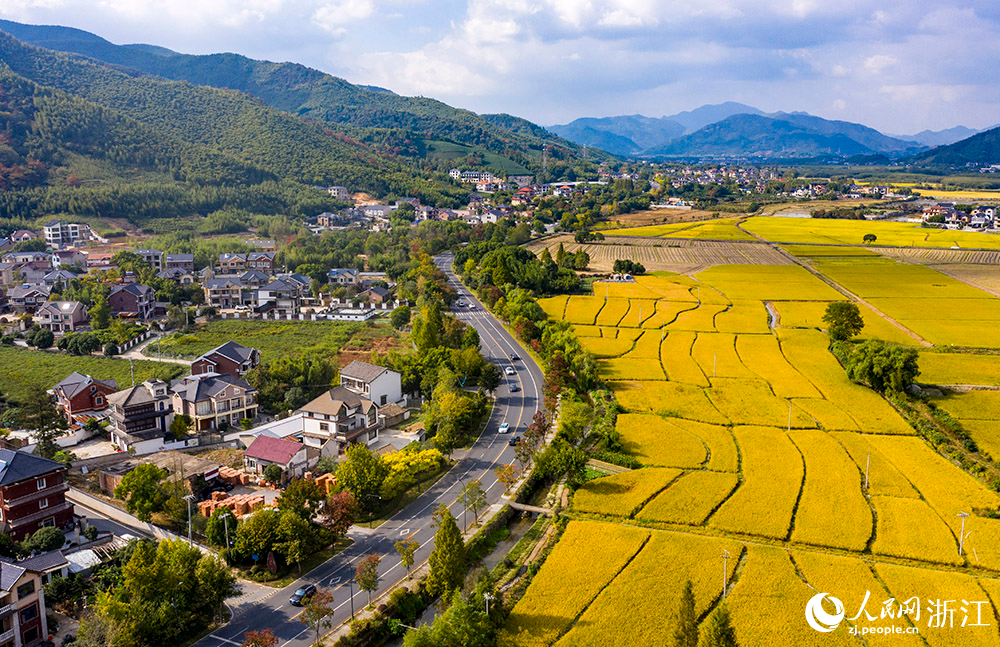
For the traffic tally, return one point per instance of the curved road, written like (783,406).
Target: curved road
(413,521)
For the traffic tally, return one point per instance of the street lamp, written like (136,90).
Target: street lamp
(350,581)
(488,597)
(188,498)
(465,505)
(370,521)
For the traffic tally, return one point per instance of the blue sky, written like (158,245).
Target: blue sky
(898,65)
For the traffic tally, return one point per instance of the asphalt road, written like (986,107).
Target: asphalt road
(414,521)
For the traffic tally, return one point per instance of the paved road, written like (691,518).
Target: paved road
(414,521)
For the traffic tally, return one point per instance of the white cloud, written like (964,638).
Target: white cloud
(876,64)
(334,17)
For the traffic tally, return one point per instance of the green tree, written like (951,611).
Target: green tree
(363,473)
(718,630)
(141,491)
(406,548)
(318,614)
(42,338)
(44,540)
(303,497)
(882,366)
(473,497)
(461,625)
(366,575)
(100,313)
(447,559)
(273,473)
(38,412)
(180,425)
(221,524)
(869,238)
(843,320)
(257,534)
(400,317)
(686,631)
(215,583)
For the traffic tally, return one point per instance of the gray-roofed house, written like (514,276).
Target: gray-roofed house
(343,276)
(223,293)
(78,393)
(62,277)
(177,275)
(338,418)
(141,417)
(179,261)
(228,359)
(32,494)
(279,297)
(134,299)
(24,619)
(27,298)
(61,316)
(214,401)
(152,256)
(377,383)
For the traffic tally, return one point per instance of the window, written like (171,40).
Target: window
(324,426)
(40,483)
(29,636)
(43,503)
(25,590)
(372,435)
(99,400)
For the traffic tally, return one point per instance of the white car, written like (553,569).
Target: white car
(461,304)
(509,370)
(504,428)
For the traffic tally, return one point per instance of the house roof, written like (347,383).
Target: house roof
(254,275)
(44,562)
(76,382)
(233,351)
(25,290)
(180,257)
(273,450)
(215,284)
(332,402)
(61,307)
(20,466)
(138,394)
(138,289)
(201,388)
(9,574)
(379,290)
(362,371)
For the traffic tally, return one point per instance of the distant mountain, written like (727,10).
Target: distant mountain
(381,118)
(939,137)
(781,135)
(698,118)
(981,148)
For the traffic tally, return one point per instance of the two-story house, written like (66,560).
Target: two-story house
(23,622)
(152,256)
(78,393)
(32,494)
(134,300)
(28,298)
(228,359)
(342,276)
(58,277)
(177,275)
(338,418)
(232,263)
(214,401)
(61,316)
(377,383)
(141,417)
(223,293)
(179,261)
(281,297)
(262,261)
(69,257)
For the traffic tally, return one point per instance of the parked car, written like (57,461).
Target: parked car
(514,441)
(302,595)
(504,427)
(509,370)
(514,388)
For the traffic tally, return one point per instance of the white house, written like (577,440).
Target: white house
(338,418)
(377,383)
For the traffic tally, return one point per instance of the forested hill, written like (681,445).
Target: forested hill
(387,121)
(982,148)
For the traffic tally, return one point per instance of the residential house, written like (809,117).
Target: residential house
(7,273)
(28,298)
(70,257)
(343,276)
(254,279)
(339,192)
(78,393)
(59,232)
(214,401)
(223,293)
(152,256)
(263,261)
(41,258)
(32,495)
(179,261)
(58,277)
(232,262)
(22,606)
(100,261)
(228,359)
(378,210)
(141,417)
(177,275)
(135,300)
(338,418)
(23,235)
(376,294)
(281,297)
(377,383)
(293,458)
(61,316)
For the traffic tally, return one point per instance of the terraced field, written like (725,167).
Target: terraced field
(753,440)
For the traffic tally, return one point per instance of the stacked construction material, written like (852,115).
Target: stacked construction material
(234,477)
(240,505)
(326,481)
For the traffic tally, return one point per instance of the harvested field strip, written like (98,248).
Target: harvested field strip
(750,402)
(761,354)
(675,355)
(690,499)
(622,495)
(588,556)
(655,442)
(669,399)
(759,599)
(884,479)
(649,587)
(831,494)
(772,472)
(716,355)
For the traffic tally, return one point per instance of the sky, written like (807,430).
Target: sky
(900,66)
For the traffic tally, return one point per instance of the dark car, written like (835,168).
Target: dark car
(514,441)
(302,596)
(514,388)
(514,358)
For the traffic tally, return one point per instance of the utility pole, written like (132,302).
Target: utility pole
(225,522)
(488,597)
(131,370)
(350,581)
(725,571)
(961,534)
(188,499)
(789,416)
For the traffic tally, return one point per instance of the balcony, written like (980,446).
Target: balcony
(5,611)
(7,635)
(38,516)
(37,494)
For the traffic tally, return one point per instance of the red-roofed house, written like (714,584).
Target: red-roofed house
(292,457)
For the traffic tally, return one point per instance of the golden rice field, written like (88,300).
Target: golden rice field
(753,440)
(719,229)
(852,232)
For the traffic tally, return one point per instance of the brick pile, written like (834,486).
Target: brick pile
(234,477)
(241,504)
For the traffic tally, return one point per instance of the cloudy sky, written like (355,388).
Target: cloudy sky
(898,65)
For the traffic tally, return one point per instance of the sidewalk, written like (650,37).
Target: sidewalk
(136,353)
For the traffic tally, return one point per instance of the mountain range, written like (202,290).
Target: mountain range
(733,129)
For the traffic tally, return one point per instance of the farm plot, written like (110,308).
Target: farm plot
(884,479)
(667,398)
(588,556)
(768,283)
(972,405)
(809,314)
(666,312)
(657,442)
(614,310)
(669,287)
(981,547)
(716,355)
(743,317)
(959,368)
(700,319)
(604,347)
(586,331)
(554,307)
(622,495)
(631,368)
(724,229)
(905,582)
(910,528)
(849,580)
(772,472)
(827,415)
(647,346)
(674,558)
(767,601)
(852,232)
(639,311)
(806,350)
(690,499)
(751,402)
(908,284)
(832,510)
(583,309)
(675,354)
(761,354)
(986,433)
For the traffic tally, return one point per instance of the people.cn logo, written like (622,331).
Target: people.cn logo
(819,619)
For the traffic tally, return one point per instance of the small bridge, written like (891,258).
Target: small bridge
(529,508)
